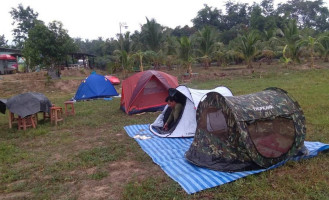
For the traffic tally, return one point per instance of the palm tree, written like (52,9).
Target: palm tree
(185,53)
(152,35)
(219,54)
(170,49)
(139,55)
(248,47)
(127,43)
(153,57)
(270,45)
(125,60)
(136,41)
(206,40)
(170,61)
(290,37)
(124,42)
(324,47)
(310,44)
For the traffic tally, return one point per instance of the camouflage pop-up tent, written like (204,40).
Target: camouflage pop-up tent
(246,132)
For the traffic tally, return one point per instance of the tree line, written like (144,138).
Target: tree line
(292,32)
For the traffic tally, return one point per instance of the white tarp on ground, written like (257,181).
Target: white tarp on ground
(186,127)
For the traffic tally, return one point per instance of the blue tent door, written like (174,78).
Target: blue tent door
(95,86)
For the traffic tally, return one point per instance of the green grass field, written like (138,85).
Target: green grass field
(89,155)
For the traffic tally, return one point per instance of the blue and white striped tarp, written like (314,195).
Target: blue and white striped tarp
(168,153)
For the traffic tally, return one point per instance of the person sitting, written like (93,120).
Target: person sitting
(176,109)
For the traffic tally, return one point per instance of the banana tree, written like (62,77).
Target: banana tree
(284,59)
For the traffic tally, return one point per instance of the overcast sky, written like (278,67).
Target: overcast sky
(100,18)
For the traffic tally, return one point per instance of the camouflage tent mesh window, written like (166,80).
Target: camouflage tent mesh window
(236,133)
(272,138)
(214,121)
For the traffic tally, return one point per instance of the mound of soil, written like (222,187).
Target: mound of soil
(13,84)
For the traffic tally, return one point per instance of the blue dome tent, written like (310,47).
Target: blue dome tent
(95,86)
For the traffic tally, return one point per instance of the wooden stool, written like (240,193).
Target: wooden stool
(71,111)
(12,119)
(45,115)
(28,121)
(56,114)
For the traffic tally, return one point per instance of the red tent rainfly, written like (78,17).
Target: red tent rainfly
(113,79)
(146,91)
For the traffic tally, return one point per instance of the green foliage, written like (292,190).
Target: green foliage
(289,36)
(248,47)
(171,45)
(207,17)
(220,54)
(185,53)
(236,14)
(308,14)
(152,35)
(103,62)
(185,48)
(205,40)
(152,57)
(139,55)
(284,59)
(183,31)
(310,43)
(324,46)
(25,19)
(48,45)
(257,20)
(3,41)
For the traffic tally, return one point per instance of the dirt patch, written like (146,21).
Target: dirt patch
(66,85)
(75,72)
(15,195)
(110,187)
